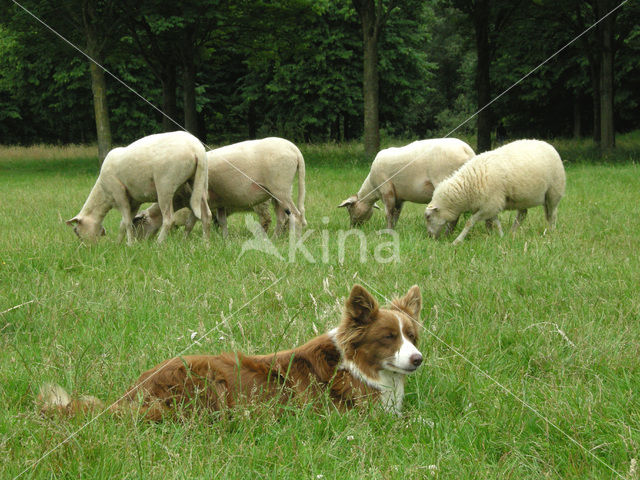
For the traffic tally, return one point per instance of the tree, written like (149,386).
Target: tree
(152,26)
(489,18)
(98,20)
(97,23)
(606,32)
(373,16)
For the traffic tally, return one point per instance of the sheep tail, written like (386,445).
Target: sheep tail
(198,199)
(301,188)
(468,151)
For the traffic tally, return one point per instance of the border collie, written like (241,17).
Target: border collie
(367,357)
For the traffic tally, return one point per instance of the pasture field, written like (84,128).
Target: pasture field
(531,341)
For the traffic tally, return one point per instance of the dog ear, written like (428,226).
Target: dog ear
(72,221)
(349,201)
(361,306)
(411,302)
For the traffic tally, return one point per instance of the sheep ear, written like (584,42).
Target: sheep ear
(375,205)
(431,208)
(360,307)
(73,221)
(139,218)
(411,302)
(348,202)
(103,232)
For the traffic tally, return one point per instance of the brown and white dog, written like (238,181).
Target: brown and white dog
(367,357)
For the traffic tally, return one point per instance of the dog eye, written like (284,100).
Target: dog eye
(390,336)
(411,336)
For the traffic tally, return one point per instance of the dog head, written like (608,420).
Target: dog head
(375,339)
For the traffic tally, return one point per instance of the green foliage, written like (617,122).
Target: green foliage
(294,68)
(406,70)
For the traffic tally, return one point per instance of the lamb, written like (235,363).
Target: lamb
(148,221)
(245,175)
(516,176)
(408,173)
(150,169)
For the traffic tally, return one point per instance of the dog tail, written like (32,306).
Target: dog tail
(52,398)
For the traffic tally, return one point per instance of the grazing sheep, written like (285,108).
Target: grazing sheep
(516,176)
(148,221)
(151,169)
(247,174)
(408,173)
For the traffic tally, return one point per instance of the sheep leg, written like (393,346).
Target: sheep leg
(126,224)
(206,219)
(396,212)
(264,215)
(522,214)
(551,201)
(492,223)
(166,207)
(190,223)
(451,226)
(155,220)
(468,226)
(390,205)
(294,214)
(286,208)
(281,217)
(126,208)
(222,221)
(121,231)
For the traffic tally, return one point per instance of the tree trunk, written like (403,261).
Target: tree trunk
(189,96)
(595,87)
(252,123)
(370,90)
(577,117)
(371,25)
(607,132)
(100,109)
(483,79)
(169,104)
(95,47)
(189,82)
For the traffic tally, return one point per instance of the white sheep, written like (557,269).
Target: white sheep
(151,169)
(148,221)
(408,173)
(516,176)
(246,174)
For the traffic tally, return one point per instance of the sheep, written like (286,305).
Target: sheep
(247,174)
(150,169)
(148,221)
(516,176)
(408,173)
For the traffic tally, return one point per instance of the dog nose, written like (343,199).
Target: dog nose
(416,359)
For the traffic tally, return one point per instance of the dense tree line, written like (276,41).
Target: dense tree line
(317,70)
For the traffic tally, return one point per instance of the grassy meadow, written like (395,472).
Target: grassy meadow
(531,342)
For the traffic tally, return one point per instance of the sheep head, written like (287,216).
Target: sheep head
(359,211)
(86,228)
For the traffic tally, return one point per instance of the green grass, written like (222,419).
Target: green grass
(554,318)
